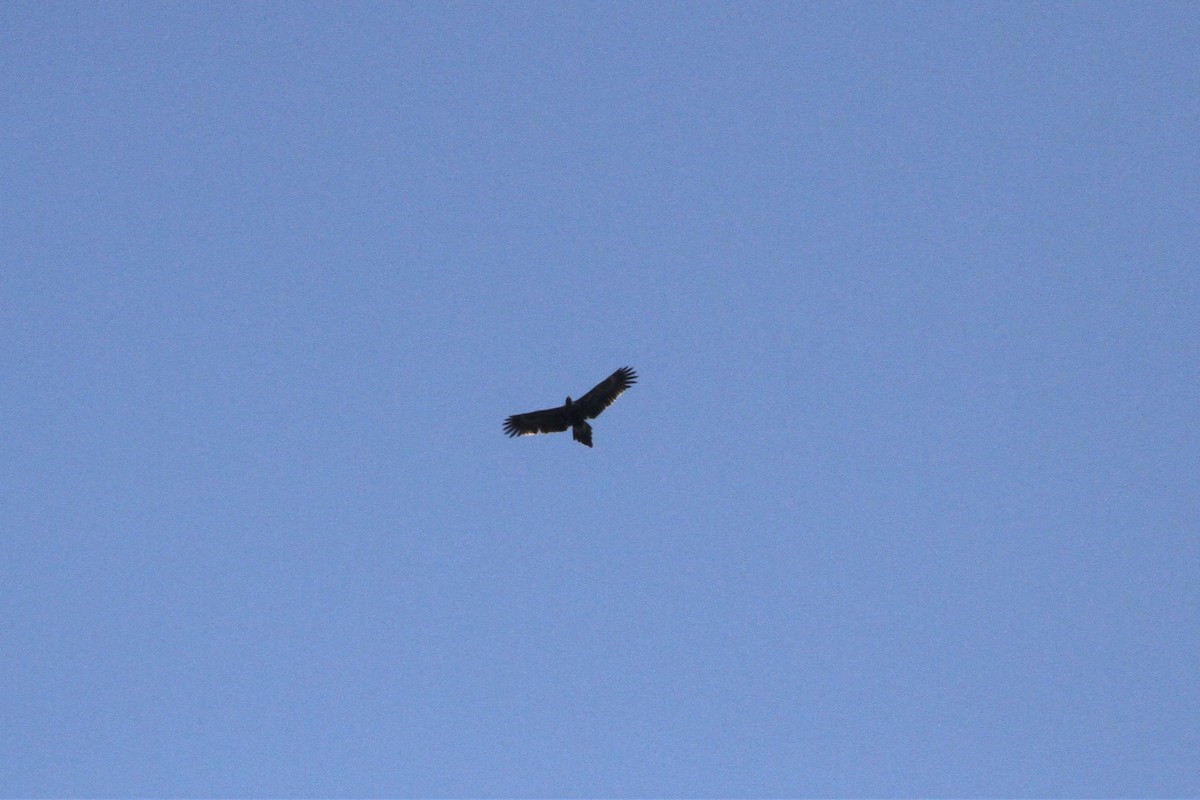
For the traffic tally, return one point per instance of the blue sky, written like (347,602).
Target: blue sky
(905,502)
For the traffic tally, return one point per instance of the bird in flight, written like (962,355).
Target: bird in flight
(574,415)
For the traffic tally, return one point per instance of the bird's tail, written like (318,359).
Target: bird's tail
(582,433)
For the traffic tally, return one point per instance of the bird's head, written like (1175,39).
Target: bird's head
(568,403)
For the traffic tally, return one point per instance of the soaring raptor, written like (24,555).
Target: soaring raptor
(574,415)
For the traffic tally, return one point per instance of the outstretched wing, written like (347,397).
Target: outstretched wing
(548,420)
(605,392)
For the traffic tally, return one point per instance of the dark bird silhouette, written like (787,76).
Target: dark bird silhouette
(574,415)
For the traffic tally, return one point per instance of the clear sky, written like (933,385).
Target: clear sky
(905,502)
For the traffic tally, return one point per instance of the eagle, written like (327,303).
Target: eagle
(574,415)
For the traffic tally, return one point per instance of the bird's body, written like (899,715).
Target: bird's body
(573,414)
(580,430)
